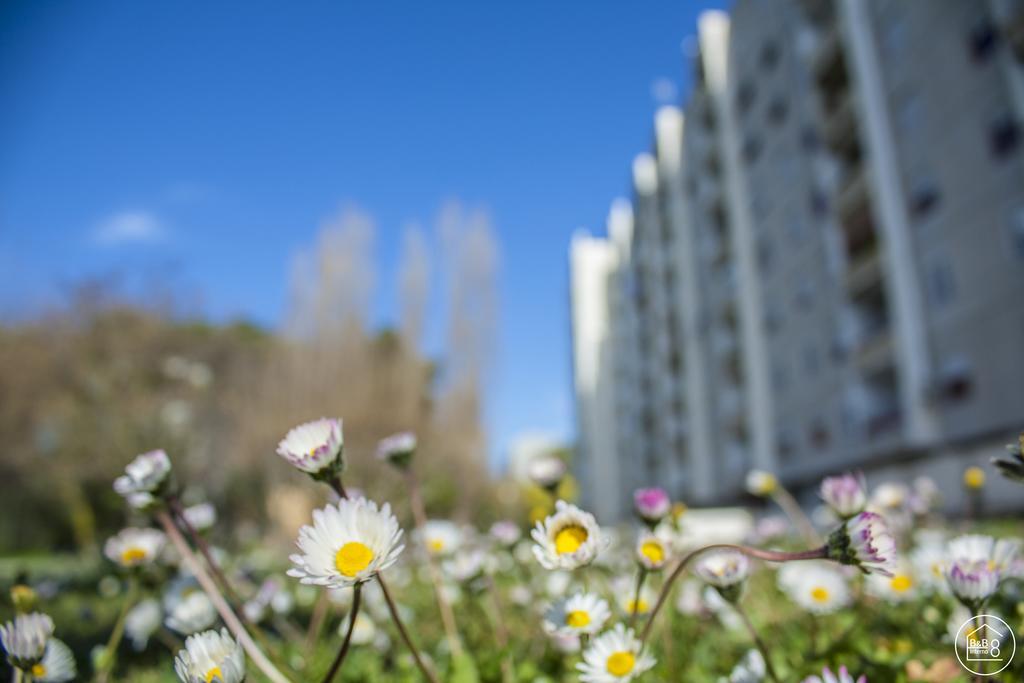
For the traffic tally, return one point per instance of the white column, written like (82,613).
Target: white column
(714,37)
(906,303)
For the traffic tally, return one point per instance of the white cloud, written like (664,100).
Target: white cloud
(129,227)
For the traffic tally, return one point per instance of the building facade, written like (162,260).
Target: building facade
(821,266)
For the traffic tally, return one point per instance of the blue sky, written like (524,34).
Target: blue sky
(202,143)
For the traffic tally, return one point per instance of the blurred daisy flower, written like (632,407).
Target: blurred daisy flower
(651,504)
(145,478)
(761,484)
(506,533)
(24,639)
(190,613)
(864,542)
(546,471)
(210,657)
(624,588)
(580,613)
(974,478)
(315,448)
(397,449)
(750,669)
(615,656)
(976,565)
(818,588)
(568,539)
(57,665)
(843,676)
(652,551)
(201,516)
(726,570)
(347,544)
(846,494)
(135,547)
(899,587)
(142,621)
(440,536)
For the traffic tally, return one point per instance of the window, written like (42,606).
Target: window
(1003,135)
(751,149)
(769,55)
(777,111)
(811,360)
(956,381)
(909,113)
(818,202)
(1017,229)
(982,41)
(819,434)
(745,96)
(924,196)
(941,283)
(809,138)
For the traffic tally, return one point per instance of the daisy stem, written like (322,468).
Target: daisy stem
(500,631)
(356,593)
(787,502)
(402,632)
(236,627)
(110,651)
(204,549)
(766,555)
(757,641)
(419,513)
(634,608)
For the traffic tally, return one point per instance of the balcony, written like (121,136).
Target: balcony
(827,60)
(853,194)
(840,130)
(864,271)
(874,353)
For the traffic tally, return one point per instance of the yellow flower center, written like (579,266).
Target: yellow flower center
(38,671)
(819,594)
(637,606)
(215,672)
(653,551)
(577,619)
(353,558)
(620,663)
(901,583)
(974,478)
(132,555)
(569,539)
(436,545)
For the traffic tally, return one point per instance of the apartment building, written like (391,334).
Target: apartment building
(823,264)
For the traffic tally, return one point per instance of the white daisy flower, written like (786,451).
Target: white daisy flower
(210,657)
(818,588)
(568,539)
(615,656)
(726,570)
(652,504)
(843,676)
(134,547)
(976,565)
(397,449)
(148,473)
(624,589)
(364,631)
(652,551)
(890,496)
(440,537)
(750,669)
(846,494)
(864,542)
(899,587)
(57,665)
(761,483)
(347,544)
(25,639)
(546,471)
(315,447)
(142,621)
(468,565)
(201,516)
(192,613)
(506,533)
(580,613)
(929,560)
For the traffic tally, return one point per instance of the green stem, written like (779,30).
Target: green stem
(427,673)
(757,641)
(767,555)
(336,665)
(110,651)
(641,576)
